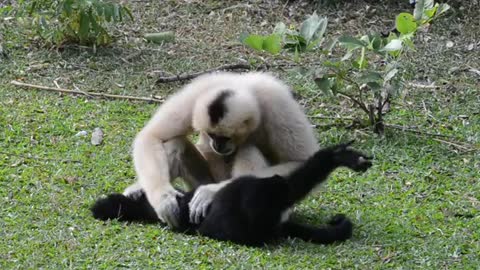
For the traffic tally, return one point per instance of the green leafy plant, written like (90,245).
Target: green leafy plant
(308,37)
(370,71)
(78,21)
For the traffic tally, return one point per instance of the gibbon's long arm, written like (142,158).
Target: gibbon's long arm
(172,119)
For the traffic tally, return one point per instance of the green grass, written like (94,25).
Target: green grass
(418,207)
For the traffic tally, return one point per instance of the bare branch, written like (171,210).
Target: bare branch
(356,101)
(414,130)
(88,94)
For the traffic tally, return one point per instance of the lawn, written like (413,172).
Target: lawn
(417,207)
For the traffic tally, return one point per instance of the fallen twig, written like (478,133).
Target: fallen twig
(185,77)
(424,86)
(457,145)
(332,117)
(414,130)
(88,94)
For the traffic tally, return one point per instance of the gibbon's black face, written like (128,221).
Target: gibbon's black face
(222,145)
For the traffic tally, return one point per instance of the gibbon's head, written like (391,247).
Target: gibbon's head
(228,116)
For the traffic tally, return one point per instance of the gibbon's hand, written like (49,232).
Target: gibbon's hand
(201,201)
(351,158)
(168,210)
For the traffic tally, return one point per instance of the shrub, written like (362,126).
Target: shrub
(77,21)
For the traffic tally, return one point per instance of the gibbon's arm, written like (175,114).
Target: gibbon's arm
(173,118)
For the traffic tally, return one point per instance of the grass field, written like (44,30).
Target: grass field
(417,208)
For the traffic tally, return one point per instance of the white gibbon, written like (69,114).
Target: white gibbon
(248,124)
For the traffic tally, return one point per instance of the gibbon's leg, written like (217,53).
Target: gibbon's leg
(184,160)
(187,162)
(339,228)
(248,159)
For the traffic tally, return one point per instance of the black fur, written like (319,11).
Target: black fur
(248,210)
(217,108)
(124,208)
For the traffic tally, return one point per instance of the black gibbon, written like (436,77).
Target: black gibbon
(250,210)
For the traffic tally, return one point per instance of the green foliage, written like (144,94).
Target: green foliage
(78,21)
(270,43)
(370,71)
(308,37)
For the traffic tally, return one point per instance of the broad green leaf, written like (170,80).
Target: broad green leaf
(421,8)
(429,13)
(109,13)
(309,26)
(322,27)
(418,11)
(280,29)
(84,26)
(324,84)
(347,56)
(428,4)
(351,42)
(255,42)
(390,74)
(396,86)
(313,28)
(335,85)
(95,26)
(394,45)
(375,86)
(99,9)
(405,23)
(376,43)
(272,44)
(295,43)
(116,13)
(442,8)
(330,44)
(314,44)
(67,7)
(365,39)
(370,76)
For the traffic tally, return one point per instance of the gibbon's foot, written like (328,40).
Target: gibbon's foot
(337,219)
(342,225)
(351,158)
(201,201)
(344,228)
(167,208)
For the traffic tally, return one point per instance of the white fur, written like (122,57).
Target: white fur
(261,106)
